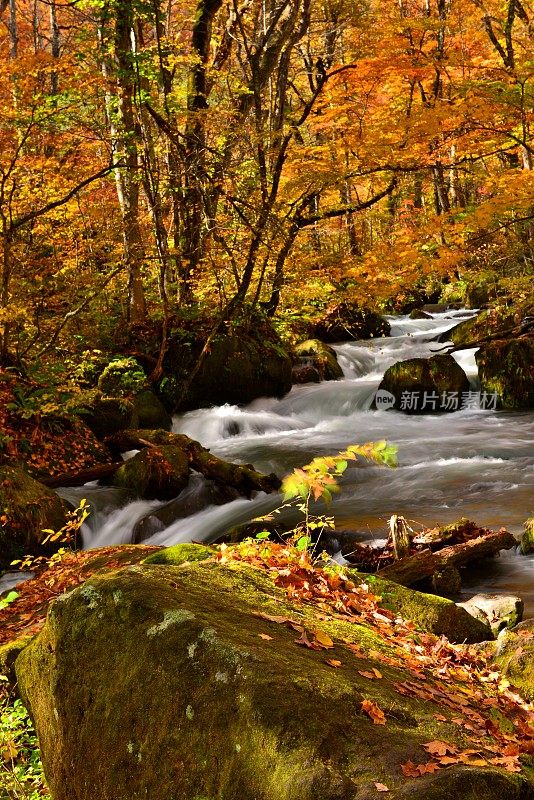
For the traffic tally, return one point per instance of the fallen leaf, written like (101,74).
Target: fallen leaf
(440,748)
(381,787)
(365,674)
(374,712)
(332,662)
(410,770)
(265,636)
(323,639)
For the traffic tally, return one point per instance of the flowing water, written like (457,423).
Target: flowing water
(475,463)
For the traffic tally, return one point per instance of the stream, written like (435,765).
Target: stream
(475,463)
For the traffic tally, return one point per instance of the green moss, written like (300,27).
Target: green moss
(156,472)
(505,368)
(321,356)
(425,376)
(429,612)
(181,553)
(8,656)
(123,377)
(237,715)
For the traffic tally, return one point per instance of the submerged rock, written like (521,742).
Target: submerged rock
(348,321)
(192,693)
(155,473)
(27,508)
(321,357)
(425,385)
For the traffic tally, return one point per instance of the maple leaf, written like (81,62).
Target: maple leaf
(410,770)
(440,748)
(374,712)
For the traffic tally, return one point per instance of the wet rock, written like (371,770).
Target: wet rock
(418,313)
(506,368)
(28,507)
(499,611)
(155,473)
(233,708)
(321,357)
(348,321)
(426,385)
(180,554)
(447,581)
(305,373)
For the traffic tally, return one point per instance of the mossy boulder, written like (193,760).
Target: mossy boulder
(240,366)
(513,652)
(429,612)
(150,411)
(26,508)
(8,655)
(417,313)
(193,694)
(104,416)
(506,368)
(424,385)
(349,321)
(499,611)
(322,357)
(155,473)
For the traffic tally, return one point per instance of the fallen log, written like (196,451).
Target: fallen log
(244,478)
(97,473)
(425,563)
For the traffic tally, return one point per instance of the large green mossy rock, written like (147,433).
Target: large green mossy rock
(123,377)
(422,385)
(27,507)
(506,368)
(348,321)
(513,652)
(317,354)
(238,368)
(104,416)
(164,683)
(429,612)
(155,473)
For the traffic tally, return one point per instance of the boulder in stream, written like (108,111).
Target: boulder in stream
(320,356)
(499,611)
(198,689)
(425,385)
(155,473)
(349,321)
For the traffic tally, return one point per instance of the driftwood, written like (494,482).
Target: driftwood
(244,478)
(425,563)
(84,476)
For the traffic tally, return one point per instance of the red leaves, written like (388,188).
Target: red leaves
(439,748)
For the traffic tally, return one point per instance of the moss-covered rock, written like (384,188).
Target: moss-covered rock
(506,368)
(527,539)
(513,653)
(499,611)
(422,385)
(155,473)
(192,694)
(104,416)
(418,313)
(429,612)
(26,508)
(239,367)
(150,411)
(348,321)
(322,357)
